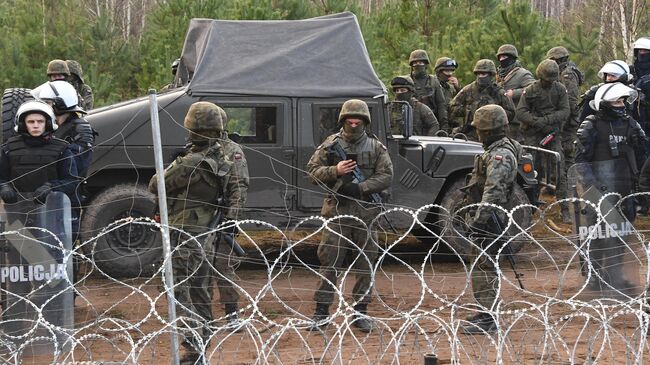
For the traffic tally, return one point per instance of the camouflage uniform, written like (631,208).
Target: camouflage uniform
(493,180)
(513,77)
(334,252)
(427,88)
(194,182)
(449,90)
(543,109)
(474,96)
(86,98)
(424,121)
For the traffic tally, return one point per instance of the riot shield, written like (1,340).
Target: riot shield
(36,274)
(604,230)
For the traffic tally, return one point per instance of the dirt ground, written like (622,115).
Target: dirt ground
(418,307)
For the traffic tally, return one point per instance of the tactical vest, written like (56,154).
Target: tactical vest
(481,163)
(424,92)
(33,166)
(76,130)
(365,150)
(613,142)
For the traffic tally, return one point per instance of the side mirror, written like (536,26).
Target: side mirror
(401,118)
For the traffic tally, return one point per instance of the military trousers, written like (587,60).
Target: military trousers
(224,263)
(484,279)
(338,256)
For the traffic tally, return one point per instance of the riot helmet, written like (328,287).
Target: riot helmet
(609,93)
(616,68)
(31,107)
(61,93)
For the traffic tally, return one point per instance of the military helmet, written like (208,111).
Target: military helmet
(224,116)
(58,67)
(401,81)
(548,70)
(31,107)
(446,63)
(489,117)
(75,69)
(557,53)
(612,92)
(419,55)
(508,49)
(354,108)
(485,65)
(203,115)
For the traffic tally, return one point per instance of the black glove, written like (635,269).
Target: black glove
(351,190)
(41,193)
(8,194)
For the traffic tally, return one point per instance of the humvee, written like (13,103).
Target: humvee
(282,84)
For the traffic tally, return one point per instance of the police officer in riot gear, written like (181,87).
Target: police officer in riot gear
(612,71)
(34,161)
(610,140)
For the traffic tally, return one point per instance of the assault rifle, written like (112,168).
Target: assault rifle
(357,177)
(216,236)
(507,250)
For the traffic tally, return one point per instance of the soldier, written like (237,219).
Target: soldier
(641,70)
(195,182)
(86,98)
(513,78)
(612,71)
(572,78)
(72,128)
(348,197)
(481,92)
(427,87)
(445,68)
(424,122)
(174,68)
(542,111)
(34,161)
(610,148)
(493,180)
(57,70)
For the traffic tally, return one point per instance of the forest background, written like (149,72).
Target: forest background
(127,46)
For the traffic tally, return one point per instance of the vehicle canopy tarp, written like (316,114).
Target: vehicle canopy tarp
(318,57)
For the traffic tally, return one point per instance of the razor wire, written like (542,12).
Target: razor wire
(419,305)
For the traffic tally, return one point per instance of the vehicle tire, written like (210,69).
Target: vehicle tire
(132,250)
(11,100)
(455,224)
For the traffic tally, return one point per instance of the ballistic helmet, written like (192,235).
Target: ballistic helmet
(446,63)
(485,65)
(203,116)
(75,69)
(489,117)
(509,50)
(354,108)
(58,67)
(31,107)
(548,70)
(400,81)
(419,55)
(557,53)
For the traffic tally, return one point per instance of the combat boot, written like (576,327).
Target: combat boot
(480,323)
(233,318)
(361,321)
(321,314)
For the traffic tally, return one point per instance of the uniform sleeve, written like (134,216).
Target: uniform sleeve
(570,81)
(585,142)
(526,79)
(5,167)
(500,174)
(524,112)
(383,176)
(319,169)
(236,185)
(67,172)
(429,120)
(441,104)
(507,105)
(457,105)
(644,177)
(88,98)
(556,119)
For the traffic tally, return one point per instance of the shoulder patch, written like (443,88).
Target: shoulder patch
(498,157)
(237,156)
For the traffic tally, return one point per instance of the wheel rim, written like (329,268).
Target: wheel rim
(131,239)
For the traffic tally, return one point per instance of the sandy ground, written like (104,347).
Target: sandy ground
(418,307)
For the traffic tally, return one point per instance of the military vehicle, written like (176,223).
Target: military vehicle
(282,90)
